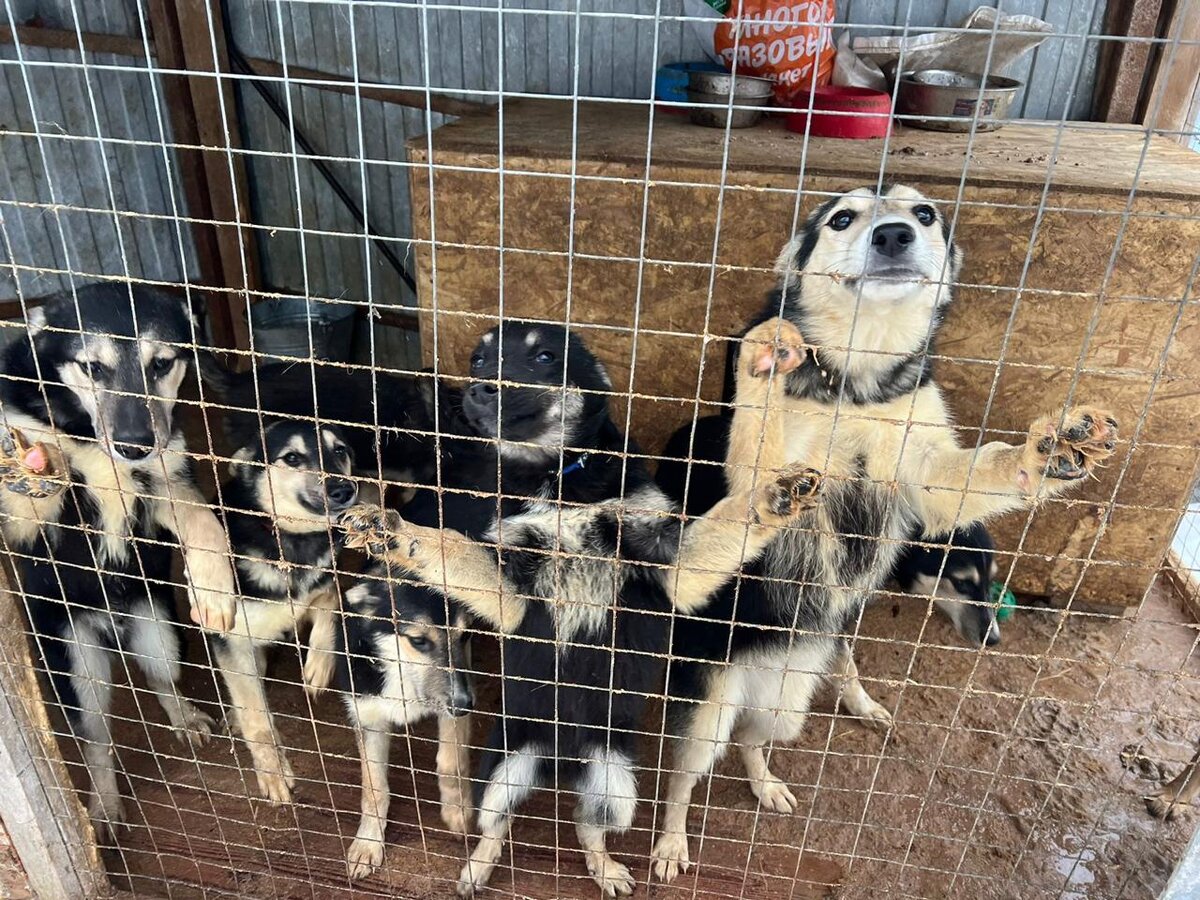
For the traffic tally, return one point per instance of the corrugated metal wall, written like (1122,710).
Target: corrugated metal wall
(469,49)
(59,184)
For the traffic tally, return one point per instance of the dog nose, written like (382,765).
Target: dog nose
(892,239)
(462,697)
(991,635)
(340,491)
(482,391)
(135,451)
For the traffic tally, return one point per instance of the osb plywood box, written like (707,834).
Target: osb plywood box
(1081,247)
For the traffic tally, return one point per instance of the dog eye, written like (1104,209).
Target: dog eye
(925,214)
(420,644)
(841,221)
(292,459)
(94,370)
(161,365)
(476,362)
(545,358)
(339,452)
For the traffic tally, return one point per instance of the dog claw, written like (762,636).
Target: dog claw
(775,344)
(1071,450)
(35,470)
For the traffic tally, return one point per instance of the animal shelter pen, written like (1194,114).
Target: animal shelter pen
(360,189)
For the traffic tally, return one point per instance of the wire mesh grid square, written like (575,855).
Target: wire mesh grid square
(348,196)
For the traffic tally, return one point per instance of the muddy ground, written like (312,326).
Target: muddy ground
(1009,774)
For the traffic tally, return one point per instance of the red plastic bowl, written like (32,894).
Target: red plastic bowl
(861,113)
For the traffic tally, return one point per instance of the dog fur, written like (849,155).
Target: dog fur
(93,386)
(955,570)
(580,570)
(286,488)
(861,295)
(388,420)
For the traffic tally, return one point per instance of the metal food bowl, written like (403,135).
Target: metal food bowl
(952,100)
(713,88)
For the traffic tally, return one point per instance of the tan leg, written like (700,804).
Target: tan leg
(468,571)
(613,878)
(320,660)
(1181,791)
(241,664)
(366,850)
(454,771)
(207,563)
(735,532)
(962,486)
(854,696)
(757,435)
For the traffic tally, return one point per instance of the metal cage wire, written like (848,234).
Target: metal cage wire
(923,810)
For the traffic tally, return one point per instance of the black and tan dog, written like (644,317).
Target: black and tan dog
(96,480)
(838,377)
(286,489)
(580,570)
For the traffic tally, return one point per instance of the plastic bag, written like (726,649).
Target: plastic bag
(961,51)
(783,40)
(851,70)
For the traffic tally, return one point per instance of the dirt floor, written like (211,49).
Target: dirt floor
(1010,773)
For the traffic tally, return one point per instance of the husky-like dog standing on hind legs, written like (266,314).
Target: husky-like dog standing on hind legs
(838,377)
(95,475)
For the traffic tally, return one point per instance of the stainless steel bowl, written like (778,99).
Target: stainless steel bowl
(951,100)
(712,88)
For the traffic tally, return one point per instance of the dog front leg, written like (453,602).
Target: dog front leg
(717,545)
(206,557)
(757,435)
(366,850)
(320,659)
(454,771)
(241,668)
(962,486)
(469,572)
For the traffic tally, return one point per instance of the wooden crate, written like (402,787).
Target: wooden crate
(614,228)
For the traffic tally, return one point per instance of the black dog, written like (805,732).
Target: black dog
(583,586)
(96,476)
(958,579)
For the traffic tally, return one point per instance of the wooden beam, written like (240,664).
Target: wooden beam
(1174,92)
(190,35)
(226,314)
(62,39)
(41,811)
(1121,75)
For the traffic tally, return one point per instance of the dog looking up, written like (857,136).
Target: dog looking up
(96,476)
(580,577)
(861,294)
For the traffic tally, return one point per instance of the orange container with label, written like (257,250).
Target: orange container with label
(790,43)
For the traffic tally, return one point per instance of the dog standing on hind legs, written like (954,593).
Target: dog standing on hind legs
(581,590)
(95,476)
(862,292)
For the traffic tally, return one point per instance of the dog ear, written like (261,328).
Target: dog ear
(238,467)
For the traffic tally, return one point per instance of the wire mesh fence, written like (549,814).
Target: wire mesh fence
(433,462)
